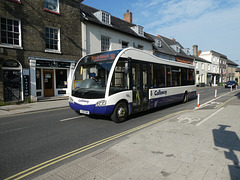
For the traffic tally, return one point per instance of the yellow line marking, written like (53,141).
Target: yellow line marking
(43,165)
(223,104)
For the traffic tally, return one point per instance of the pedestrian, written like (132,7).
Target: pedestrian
(210,82)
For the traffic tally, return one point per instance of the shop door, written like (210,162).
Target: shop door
(12,85)
(48,83)
(140,87)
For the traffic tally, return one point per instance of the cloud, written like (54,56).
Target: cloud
(216,30)
(212,25)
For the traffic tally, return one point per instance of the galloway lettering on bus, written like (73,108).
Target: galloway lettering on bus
(82,100)
(158,93)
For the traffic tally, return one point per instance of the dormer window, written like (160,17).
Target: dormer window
(104,17)
(186,51)
(176,48)
(159,43)
(139,30)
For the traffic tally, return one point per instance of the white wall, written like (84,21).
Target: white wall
(93,39)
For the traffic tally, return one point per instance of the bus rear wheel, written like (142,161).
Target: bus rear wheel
(185,97)
(120,112)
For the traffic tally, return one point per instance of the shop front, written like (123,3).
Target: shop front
(50,77)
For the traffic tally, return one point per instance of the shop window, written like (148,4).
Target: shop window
(38,79)
(61,78)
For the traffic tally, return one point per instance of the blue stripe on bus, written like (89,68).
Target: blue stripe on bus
(162,101)
(108,110)
(105,110)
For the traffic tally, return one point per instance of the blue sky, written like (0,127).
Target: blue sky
(210,24)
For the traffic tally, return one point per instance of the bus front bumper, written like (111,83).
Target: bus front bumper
(92,109)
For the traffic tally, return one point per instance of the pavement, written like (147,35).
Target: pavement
(201,143)
(49,103)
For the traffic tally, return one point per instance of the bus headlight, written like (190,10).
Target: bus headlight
(101,103)
(71,100)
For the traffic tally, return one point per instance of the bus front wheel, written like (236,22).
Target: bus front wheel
(120,112)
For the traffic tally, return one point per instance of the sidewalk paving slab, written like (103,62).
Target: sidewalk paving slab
(170,149)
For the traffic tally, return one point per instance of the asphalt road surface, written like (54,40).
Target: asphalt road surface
(32,138)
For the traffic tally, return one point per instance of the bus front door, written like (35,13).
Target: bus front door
(140,87)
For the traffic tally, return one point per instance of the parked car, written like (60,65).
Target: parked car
(231,83)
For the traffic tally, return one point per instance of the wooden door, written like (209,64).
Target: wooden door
(48,83)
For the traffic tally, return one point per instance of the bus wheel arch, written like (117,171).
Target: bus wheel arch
(185,97)
(120,112)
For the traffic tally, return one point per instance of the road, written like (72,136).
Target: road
(30,139)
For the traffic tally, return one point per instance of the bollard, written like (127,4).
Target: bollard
(215,93)
(231,89)
(198,99)
(236,87)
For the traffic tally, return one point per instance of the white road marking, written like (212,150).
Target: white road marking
(68,119)
(198,124)
(12,130)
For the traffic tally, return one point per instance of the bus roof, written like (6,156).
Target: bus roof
(135,54)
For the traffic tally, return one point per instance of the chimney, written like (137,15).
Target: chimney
(195,50)
(199,52)
(127,17)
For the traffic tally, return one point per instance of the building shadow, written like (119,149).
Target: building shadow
(231,142)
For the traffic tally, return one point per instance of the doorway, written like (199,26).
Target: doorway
(12,85)
(48,83)
(140,87)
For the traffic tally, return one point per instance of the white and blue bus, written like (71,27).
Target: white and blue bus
(121,82)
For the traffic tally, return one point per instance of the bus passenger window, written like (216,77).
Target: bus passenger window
(120,79)
(169,76)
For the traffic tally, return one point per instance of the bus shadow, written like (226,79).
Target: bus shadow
(231,142)
(238,95)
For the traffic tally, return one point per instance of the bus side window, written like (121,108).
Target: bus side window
(120,79)
(169,76)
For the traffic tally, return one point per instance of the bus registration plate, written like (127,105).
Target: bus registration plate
(84,112)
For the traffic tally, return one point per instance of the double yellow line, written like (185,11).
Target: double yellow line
(43,165)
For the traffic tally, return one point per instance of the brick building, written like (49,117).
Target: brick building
(38,47)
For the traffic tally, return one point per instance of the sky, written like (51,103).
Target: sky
(210,24)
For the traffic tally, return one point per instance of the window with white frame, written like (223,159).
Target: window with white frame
(11,32)
(52,39)
(105,43)
(197,65)
(159,43)
(140,31)
(51,5)
(105,18)
(209,68)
